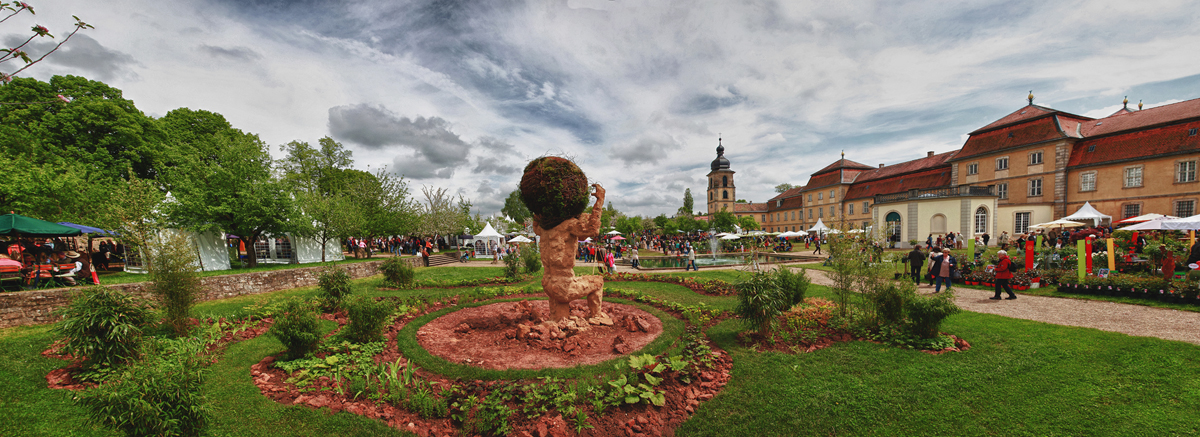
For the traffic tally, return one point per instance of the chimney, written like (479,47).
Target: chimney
(880,165)
(929,154)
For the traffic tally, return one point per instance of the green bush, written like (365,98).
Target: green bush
(760,301)
(334,285)
(296,327)
(174,280)
(398,272)
(367,318)
(103,326)
(512,266)
(794,285)
(156,396)
(532,257)
(926,314)
(889,302)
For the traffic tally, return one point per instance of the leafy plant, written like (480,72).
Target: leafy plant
(367,319)
(174,279)
(398,272)
(296,327)
(156,396)
(927,313)
(760,301)
(512,266)
(103,326)
(794,285)
(531,255)
(334,285)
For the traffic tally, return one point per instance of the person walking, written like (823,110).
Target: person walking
(691,260)
(1003,275)
(916,260)
(610,262)
(817,244)
(634,258)
(944,267)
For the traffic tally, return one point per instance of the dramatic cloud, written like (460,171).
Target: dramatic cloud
(438,150)
(82,53)
(464,93)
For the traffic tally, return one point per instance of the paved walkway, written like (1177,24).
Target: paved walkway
(1128,319)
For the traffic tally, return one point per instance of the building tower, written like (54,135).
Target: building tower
(721,192)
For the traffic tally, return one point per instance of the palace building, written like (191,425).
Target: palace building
(1034,165)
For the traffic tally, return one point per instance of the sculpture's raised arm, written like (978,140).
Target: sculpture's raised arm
(590,223)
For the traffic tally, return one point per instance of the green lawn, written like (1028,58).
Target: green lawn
(1019,378)
(109,278)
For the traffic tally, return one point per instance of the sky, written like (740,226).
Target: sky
(462,94)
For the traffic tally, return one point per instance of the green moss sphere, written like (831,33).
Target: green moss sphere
(554,189)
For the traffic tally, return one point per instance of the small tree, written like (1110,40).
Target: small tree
(512,266)
(297,328)
(367,318)
(103,326)
(334,285)
(760,301)
(174,278)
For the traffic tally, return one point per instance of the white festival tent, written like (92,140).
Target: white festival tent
(1149,225)
(731,237)
(487,241)
(520,239)
(1060,223)
(819,227)
(308,250)
(209,247)
(1087,212)
(1182,224)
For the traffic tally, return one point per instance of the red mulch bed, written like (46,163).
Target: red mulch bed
(638,420)
(507,335)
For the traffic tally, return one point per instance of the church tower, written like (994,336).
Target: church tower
(721,192)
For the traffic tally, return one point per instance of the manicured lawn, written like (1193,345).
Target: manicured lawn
(1019,378)
(108,278)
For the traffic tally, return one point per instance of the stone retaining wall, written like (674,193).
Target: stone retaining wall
(37,306)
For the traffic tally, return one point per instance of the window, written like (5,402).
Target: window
(724,181)
(973,168)
(820,212)
(1192,132)
(1087,181)
(1133,177)
(1185,208)
(1002,163)
(710,195)
(764,218)
(776,216)
(831,213)
(1185,171)
(1035,158)
(1021,224)
(1091,147)
(724,194)
(810,213)
(866,207)
(793,215)
(831,194)
(810,197)
(1035,187)
(1002,190)
(981,216)
(820,196)
(866,224)
(1131,210)
(851,209)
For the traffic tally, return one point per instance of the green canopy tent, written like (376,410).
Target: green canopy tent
(21,226)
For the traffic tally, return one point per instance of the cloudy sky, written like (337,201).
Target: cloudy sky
(461,94)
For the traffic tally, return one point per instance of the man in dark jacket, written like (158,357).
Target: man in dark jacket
(916,259)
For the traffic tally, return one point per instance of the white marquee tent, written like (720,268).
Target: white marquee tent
(1087,212)
(487,241)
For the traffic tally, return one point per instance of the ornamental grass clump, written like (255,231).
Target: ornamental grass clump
(760,302)
(554,189)
(297,328)
(398,272)
(367,318)
(794,284)
(173,273)
(103,327)
(334,286)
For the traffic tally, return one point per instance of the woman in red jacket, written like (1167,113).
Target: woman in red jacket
(1003,274)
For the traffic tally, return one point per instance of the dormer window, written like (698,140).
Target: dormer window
(1192,132)
(1091,147)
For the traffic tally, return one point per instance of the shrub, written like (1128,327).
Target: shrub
(157,396)
(794,285)
(367,317)
(889,302)
(927,313)
(103,326)
(173,273)
(334,284)
(554,189)
(296,327)
(398,272)
(760,301)
(512,266)
(532,256)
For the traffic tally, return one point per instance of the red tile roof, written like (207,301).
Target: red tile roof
(928,162)
(749,207)
(795,191)
(843,163)
(1146,143)
(788,203)
(824,180)
(932,178)
(1028,112)
(1126,120)
(1033,131)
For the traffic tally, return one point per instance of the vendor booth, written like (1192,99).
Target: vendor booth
(487,241)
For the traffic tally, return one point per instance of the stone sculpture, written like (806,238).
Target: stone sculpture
(555,190)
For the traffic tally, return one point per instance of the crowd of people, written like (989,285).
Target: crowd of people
(42,262)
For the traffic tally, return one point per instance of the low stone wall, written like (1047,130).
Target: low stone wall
(37,306)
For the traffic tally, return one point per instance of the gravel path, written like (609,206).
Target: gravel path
(1128,319)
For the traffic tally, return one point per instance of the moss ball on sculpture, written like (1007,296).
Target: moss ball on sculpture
(554,189)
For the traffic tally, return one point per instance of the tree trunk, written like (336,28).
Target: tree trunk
(251,254)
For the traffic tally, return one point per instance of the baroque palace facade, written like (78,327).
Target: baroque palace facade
(1034,165)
